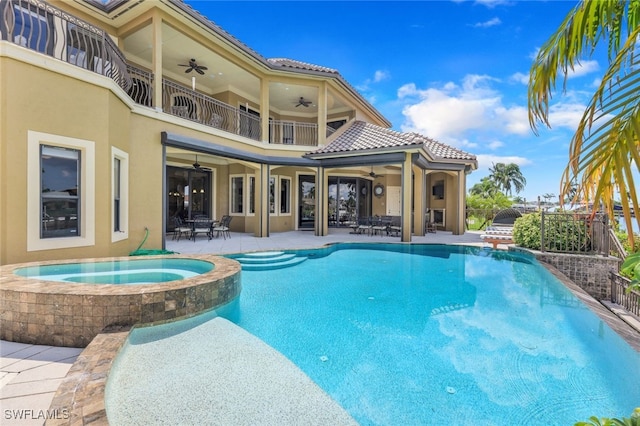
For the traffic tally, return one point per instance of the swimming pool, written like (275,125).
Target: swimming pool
(126,271)
(410,334)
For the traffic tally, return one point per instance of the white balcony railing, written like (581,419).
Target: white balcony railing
(294,133)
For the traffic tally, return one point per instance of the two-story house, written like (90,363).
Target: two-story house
(118,116)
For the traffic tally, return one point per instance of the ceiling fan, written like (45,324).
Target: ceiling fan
(303,102)
(193,65)
(373,174)
(198,167)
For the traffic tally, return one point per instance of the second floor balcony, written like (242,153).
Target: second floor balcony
(228,97)
(184,102)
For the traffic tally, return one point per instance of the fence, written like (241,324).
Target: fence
(575,233)
(630,300)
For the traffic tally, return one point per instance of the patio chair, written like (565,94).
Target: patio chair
(364,225)
(378,226)
(180,228)
(223,227)
(430,227)
(394,228)
(201,226)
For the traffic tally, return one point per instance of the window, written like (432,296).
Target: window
(60,192)
(285,196)
(251,202)
(272,195)
(116,194)
(120,194)
(237,184)
(60,189)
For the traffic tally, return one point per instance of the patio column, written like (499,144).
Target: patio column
(419,204)
(461,210)
(264,109)
(322,114)
(322,185)
(156,60)
(262,202)
(406,198)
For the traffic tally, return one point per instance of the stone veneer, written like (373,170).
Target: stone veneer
(590,272)
(69,314)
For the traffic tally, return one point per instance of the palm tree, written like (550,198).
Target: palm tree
(506,175)
(486,188)
(604,152)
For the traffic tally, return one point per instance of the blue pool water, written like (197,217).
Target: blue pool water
(431,335)
(130,271)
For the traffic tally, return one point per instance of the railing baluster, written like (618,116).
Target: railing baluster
(81,43)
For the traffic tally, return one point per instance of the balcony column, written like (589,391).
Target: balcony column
(461,208)
(156,60)
(406,198)
(420,203)
(264,109)
(262,202)
(322,201)
(322,114)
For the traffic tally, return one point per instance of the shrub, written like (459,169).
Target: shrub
(526,231)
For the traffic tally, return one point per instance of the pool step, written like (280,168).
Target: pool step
(269,260)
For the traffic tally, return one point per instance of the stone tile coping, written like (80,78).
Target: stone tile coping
(72,314)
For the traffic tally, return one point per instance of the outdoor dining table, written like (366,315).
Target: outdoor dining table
(210,224)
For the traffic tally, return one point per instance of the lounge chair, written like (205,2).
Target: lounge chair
(498,235)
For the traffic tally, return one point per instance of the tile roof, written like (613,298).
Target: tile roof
(361,136)
(292,63)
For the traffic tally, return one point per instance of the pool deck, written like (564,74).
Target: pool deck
(31,374)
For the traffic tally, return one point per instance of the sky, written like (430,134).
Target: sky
(455,71)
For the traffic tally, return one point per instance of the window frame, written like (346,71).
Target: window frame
(87,187)
(123,232)
(233,197)
(287,196)
(273,195)
(251,195)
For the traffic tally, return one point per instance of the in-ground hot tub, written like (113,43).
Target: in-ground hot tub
(67,303)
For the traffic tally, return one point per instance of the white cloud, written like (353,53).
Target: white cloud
(515,119)
(566,115)
(583,68)
(493,145)
(380,75)
(485,161)
(520,78)
(449,113)
(486,24)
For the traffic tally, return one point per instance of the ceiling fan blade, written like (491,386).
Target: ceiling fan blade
(203,68)
(188,70)
(183,65)
(199,71)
